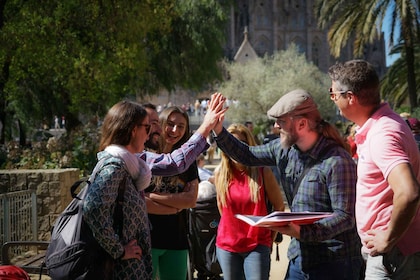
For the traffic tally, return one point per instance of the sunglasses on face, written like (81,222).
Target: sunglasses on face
(147,126)
(334,94)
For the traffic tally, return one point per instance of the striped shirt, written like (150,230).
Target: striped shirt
(177,161)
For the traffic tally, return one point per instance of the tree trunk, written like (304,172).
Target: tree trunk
(22,134)
(4,76)
(407,34)
(411,78)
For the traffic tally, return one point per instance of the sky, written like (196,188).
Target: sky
(386,29)
(389,58)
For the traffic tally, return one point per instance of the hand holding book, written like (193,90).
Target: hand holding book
(278,219)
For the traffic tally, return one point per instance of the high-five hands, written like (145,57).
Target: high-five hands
(216,104)
(215,114)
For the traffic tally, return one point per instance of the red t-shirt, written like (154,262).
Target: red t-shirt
(234,235)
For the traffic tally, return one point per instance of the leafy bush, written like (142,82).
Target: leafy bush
(75,150)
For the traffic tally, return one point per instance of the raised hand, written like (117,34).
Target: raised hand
(218,102)
(215,114)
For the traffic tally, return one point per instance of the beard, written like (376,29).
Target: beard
(288,139)
(152,143)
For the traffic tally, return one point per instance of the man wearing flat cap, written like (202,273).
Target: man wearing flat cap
(317,175)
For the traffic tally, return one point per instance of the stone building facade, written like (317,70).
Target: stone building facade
(259,27)
(273,25)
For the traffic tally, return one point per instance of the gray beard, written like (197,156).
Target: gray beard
(288,140)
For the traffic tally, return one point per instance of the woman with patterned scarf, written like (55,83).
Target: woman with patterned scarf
(125,129)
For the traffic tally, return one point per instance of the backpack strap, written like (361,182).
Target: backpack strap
(118,212)
(80,195)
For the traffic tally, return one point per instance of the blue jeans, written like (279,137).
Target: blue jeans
(253,265)
(393,265)
(349,269)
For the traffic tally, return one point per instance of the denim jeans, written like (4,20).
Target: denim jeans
(343,269)
(253,265)
(393,265)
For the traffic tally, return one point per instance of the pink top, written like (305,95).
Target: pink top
(384,142)
(234,235)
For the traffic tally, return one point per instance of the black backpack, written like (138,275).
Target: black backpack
(73,252)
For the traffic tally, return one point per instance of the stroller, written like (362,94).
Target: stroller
(203,222)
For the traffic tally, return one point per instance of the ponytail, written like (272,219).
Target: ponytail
(331,132)
(316,123)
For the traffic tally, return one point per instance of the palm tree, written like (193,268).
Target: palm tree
(394,83)
(362,20)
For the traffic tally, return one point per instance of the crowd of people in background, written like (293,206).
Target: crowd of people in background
(198,108)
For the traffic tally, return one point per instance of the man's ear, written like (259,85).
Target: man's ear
(352,97)
(302,122)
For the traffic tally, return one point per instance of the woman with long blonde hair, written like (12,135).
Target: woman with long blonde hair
(244,251)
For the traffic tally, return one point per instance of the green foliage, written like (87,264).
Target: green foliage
(71,55)
(188,55)
(258,84)
(76,150)
(394,87)
(85,143)
(363,20)
(78,58)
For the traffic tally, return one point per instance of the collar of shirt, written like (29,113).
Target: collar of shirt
(314,152)
(362,131)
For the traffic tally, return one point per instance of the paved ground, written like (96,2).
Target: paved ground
(278,268)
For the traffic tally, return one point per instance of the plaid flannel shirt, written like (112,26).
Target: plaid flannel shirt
(329,185)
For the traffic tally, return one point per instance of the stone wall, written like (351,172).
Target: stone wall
(52,187)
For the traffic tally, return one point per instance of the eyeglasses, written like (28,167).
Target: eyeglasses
(333,94)
(147,126)
(281,122)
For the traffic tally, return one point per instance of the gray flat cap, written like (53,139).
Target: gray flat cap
(296,102)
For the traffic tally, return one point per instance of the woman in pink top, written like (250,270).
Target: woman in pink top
(244,251)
